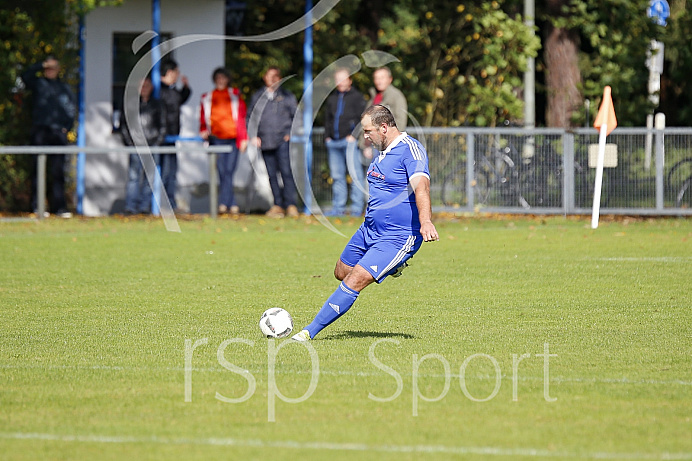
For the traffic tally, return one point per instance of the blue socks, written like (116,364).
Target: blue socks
(338,303)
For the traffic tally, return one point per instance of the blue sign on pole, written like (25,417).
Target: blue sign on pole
(659,11)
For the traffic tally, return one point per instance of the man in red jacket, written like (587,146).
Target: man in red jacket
(222,122)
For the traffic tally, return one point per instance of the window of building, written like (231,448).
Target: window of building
(124,60)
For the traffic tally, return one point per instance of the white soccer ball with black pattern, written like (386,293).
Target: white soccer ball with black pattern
(276,323)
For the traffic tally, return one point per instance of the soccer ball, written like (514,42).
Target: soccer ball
(276,323)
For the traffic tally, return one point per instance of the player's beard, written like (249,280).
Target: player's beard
(379,145)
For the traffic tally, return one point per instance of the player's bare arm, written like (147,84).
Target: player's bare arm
(421,187)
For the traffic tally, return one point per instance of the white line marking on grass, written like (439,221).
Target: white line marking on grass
(556,379)
(330,446)
(659,259)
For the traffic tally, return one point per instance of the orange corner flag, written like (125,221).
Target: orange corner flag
(606,113)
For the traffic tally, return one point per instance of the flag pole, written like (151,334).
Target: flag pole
(595,212)
(605,122)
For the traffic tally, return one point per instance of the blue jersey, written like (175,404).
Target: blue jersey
(392,203)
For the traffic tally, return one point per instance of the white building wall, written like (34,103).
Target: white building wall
(105,175)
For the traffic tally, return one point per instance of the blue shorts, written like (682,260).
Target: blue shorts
(382,256)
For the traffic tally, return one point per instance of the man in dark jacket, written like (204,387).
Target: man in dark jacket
(153,122)
(53,115)
(172,98)
(273,134)
(344,108)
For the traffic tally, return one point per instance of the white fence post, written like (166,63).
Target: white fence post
(41,185)
(470,154)
(660,124)
(568,172)
(213,186)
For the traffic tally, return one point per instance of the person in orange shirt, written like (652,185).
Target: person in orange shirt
(222,122)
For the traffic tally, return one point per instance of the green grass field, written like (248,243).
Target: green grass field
(96,315)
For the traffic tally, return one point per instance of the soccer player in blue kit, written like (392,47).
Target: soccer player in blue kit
(397,219)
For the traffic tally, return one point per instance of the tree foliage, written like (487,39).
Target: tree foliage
(248,60)
(344,30)
(469,60)
(460,63)
(676,97)
(615,36)
(30,30)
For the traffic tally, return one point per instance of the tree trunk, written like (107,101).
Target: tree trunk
(562,76)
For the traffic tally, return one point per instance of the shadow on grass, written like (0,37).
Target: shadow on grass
(348,334)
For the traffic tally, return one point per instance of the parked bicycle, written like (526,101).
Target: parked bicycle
(679,181)
(513,170)
(496,174)
(494,170)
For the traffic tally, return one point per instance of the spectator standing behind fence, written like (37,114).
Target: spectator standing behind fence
(53,115)
(222,123)
(152,117)
(273,135)
(386,94)
(171,98)
(344,108)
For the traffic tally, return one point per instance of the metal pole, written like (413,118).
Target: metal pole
(530,74)
(660,124)
(648,142)
(81,123)
(155,51)
(654,62)
(568,169)
(156,81)
(470,176)
(41,186)
(213,187)
(529,147)
(307,111)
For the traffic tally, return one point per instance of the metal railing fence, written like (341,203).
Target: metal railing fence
(43,151)
(512,170)
(515,170)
